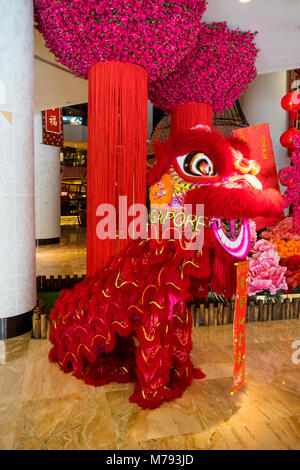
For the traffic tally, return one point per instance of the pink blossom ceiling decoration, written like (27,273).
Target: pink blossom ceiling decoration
(216,71)
(155,34)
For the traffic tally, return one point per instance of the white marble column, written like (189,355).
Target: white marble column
(17,237)
(47,186)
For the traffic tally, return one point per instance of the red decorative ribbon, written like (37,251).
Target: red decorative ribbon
(53,132)
(239,343)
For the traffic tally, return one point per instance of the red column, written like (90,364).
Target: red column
(185,116)
(117,148)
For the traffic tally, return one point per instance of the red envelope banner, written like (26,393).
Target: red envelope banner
(259,139)
(53,133)
(239,328)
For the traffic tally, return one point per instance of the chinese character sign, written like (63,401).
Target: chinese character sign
(239,344)
(53,127)
(259,140)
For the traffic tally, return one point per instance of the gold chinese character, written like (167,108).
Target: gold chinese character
(239,357)
(53,120)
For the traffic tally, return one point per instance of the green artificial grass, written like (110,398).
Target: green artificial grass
(49,299)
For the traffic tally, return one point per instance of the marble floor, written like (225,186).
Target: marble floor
(43,408)
(65,258)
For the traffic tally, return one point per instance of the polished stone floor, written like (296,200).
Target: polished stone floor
(43,408)
(66,258)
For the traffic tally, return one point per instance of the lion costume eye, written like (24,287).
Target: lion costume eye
(196,164)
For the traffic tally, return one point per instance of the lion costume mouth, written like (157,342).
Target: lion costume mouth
(233,235)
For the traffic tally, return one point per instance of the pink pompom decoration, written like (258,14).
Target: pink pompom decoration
(263,245)
(258,285)
(290,177)
(265,273)
(253,234)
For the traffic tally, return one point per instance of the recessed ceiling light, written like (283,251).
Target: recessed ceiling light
(244,1)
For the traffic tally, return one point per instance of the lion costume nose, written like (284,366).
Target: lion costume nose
(245,166)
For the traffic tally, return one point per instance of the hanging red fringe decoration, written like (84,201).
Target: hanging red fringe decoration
(185,116)
(117,149)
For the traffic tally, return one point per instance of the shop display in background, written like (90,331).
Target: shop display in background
(73,197)
(74,156)
(53,130)
(73,120)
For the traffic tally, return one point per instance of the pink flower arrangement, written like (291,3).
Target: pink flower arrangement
(284,230)
(216,71)
(155,34)
(262,246)
(253,234)
(265,273)
(290,177)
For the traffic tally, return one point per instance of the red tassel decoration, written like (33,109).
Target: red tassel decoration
(117,149)
(185,116)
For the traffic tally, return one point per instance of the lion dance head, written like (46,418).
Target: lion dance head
(200,166)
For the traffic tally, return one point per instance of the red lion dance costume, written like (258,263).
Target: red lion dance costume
(131,322)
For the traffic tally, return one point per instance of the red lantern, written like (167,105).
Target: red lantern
(291,102)
(286,137)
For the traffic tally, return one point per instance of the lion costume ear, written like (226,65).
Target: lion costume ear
(161,165)
(241,146)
